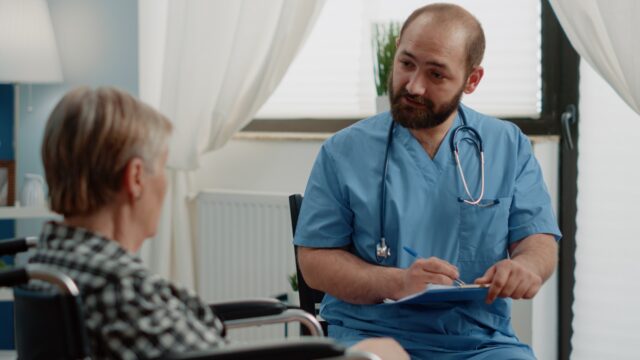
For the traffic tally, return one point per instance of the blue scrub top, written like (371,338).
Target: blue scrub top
(424,211)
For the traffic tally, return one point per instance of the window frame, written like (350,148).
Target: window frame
(553,93)
(560,80)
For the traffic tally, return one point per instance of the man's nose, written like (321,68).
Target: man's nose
(417,85)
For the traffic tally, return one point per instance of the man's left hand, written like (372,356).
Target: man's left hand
(509,278)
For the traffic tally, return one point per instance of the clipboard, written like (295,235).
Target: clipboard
(445,293)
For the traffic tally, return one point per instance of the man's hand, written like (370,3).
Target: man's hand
(426,271)
(509,278)
(385,348)
(532,262)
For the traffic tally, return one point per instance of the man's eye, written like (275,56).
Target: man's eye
(437,75)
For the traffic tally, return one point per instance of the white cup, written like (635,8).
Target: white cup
(32,191)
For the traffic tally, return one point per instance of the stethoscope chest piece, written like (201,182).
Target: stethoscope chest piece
(382,250)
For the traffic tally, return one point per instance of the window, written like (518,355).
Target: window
(332,77)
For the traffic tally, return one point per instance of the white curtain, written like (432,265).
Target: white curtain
(209,65)
(606,313)
(605,33)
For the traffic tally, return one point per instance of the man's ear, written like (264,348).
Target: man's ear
(473,79)
(132,179)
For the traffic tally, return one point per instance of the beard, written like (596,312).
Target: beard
(420,118)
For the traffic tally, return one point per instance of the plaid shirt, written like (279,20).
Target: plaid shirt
(128,312)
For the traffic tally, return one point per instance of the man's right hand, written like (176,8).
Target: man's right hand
(426,271)
(351,279)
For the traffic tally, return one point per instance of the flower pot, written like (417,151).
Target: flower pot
(382,103)
(293,298)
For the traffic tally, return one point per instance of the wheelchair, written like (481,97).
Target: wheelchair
(50,325)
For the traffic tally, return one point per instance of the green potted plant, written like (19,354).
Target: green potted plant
(384,37)
(292,296)
(3,264)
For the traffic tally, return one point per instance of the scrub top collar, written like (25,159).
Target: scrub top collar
(443,157)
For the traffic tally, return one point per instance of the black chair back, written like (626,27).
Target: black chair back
(49,326)
(48,323)
(310,298)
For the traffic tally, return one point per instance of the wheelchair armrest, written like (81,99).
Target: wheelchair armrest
(13,277)
(256,312)
(11,247)
(245,309)
(306,349)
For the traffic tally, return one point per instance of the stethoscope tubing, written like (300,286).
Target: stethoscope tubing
(382,249)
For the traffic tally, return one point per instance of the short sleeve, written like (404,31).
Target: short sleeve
(147,317)
(531,210)
(325,219)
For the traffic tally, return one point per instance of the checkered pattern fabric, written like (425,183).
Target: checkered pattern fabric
(129,313)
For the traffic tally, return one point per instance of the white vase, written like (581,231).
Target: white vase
(32,191)
(293,298)
(382,103)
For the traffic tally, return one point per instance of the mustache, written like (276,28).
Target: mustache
(417,98)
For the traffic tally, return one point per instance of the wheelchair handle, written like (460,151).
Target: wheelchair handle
(10,247)
(22,275)
(65,284)
(13,277)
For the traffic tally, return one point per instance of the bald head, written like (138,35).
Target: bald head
(456,18)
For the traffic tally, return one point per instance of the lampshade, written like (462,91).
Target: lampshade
(28,51)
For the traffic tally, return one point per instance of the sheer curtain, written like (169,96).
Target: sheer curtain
(606,313)
(605,34)
(209,67)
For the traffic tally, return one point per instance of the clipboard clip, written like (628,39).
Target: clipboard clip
(462,285)
(472,286)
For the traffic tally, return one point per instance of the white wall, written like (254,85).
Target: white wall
(259,165)
(606,312)
(98,45)
(544,307)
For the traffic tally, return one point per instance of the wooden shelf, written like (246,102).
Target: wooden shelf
(15,212)
(6,294)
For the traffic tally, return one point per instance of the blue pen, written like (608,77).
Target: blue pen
(410,251)
(413,253)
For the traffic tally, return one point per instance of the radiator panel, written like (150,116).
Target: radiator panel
(244,250)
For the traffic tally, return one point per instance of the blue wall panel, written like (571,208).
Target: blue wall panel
(6,122)
(7,227)
(6,325)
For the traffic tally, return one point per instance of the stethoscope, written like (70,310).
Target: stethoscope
(382,249)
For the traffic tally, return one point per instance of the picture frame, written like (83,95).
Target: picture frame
(7,182)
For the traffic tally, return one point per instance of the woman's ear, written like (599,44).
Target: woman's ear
(133,179)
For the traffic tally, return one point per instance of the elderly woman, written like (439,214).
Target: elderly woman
(104,154)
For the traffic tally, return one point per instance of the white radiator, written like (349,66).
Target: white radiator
(244,250)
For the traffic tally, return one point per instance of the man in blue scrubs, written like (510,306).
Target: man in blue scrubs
(506,240)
